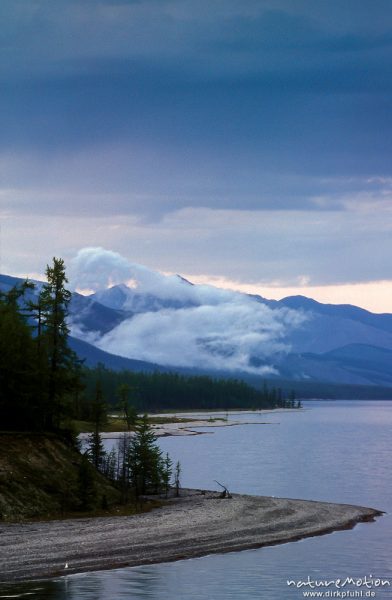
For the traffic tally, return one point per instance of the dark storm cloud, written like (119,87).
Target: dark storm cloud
(221,104)
(249,140)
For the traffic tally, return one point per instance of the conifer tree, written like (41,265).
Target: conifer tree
(87,489)
(19,407)
(129,412)
(124,464)
(167,470)
(96,450)
(62,363)
(145,459)
(109,467)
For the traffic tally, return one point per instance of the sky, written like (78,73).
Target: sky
(242,143)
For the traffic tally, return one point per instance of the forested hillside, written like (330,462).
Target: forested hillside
(44,385)
(39,373)
(170,391)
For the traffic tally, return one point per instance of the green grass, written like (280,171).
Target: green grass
(116,423)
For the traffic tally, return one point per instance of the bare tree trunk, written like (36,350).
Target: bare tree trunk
(225,493)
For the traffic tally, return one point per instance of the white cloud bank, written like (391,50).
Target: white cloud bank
(96,269)
(180,324)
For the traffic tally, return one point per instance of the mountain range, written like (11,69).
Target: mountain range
(176,325)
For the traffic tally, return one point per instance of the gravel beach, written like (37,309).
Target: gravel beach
(194,525)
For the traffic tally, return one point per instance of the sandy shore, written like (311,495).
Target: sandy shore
(194,525)
(200,420)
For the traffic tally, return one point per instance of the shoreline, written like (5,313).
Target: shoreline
(206,420)
(194,525)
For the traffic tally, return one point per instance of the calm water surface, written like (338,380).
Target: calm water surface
(332,451)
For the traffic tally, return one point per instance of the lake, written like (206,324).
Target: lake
(333,451)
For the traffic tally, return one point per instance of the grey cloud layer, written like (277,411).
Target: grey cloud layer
(145,110)
(196,104)
(279,248)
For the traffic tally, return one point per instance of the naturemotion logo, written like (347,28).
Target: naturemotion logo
(345,587)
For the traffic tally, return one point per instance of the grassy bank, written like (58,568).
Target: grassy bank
(118,424)
(43,477)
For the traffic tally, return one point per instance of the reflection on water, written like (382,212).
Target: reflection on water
(337,451)
(47,589)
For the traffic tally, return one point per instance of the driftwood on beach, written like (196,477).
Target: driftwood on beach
(193,525)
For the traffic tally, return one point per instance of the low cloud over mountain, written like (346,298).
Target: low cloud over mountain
(143,320)
(176,323)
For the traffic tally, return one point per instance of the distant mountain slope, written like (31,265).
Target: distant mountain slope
(90,316)
(7,282)
(327,326)
(332,343)
(371,362)
(121,297)
(330,326)
(354,364)
(345,311)
(92,356)
(323,333)
(87,315)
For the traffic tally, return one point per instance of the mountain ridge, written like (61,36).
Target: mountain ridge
(343,344)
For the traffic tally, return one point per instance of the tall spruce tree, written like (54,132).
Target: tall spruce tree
(95,447)
(129,412)
(63,366)
(124,465)
(145,460)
